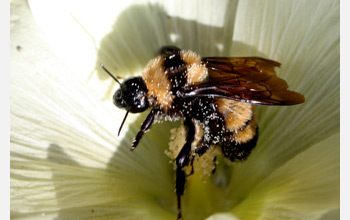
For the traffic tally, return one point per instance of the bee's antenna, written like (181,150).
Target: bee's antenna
(126,115)
(110,74)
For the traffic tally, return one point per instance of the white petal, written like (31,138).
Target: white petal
(47,114)
(129,33)
(63,139)
(304,37)
(306,187)
(222,216)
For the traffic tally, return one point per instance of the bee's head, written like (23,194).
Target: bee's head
(132,95)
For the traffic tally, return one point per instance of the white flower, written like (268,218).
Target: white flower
(67,161)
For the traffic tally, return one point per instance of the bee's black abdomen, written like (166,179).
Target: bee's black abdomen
(239,152)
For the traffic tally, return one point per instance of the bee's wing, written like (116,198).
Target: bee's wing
(246,79)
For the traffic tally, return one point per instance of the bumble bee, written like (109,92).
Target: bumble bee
(216,93)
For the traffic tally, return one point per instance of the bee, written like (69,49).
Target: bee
(214,94)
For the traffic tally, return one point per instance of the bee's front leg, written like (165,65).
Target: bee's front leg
(182,160)
(144,127)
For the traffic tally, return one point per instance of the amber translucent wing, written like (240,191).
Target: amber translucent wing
(246,79)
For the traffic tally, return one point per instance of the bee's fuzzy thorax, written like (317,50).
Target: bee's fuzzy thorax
(158,85)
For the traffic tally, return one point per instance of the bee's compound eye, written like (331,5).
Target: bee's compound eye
(118,99)
(118,94)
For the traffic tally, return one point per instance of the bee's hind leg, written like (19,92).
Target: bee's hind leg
(183,159)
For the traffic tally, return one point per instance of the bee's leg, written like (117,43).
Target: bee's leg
(203,147)
(215,125)
(182,160)
(144,127)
